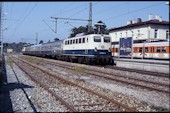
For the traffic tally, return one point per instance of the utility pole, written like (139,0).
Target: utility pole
(1,27)
(90,18)
(36,38)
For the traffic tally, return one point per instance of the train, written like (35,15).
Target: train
(148,50)
(89,49)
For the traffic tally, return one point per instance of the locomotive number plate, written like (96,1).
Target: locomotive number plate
(102,52)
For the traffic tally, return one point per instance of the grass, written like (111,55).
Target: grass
(31,59)
(79,69)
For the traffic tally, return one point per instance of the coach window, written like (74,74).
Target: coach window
(87,39)
(65,42)
(97,39)
(163,49)
(158,50)
(106,39)
(83,40)
(140,49)
(146,49)
(116,50)
(156,32)
(71,41)
(135,49)
(79,40)
(167,35)
(68,42)
(76,41)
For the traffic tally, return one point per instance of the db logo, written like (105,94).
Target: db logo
(102,46)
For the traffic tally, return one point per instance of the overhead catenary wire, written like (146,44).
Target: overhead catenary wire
(128,12)
(26,16)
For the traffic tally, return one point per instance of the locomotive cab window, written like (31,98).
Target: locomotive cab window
(106,39)
(97,39)
(65,42)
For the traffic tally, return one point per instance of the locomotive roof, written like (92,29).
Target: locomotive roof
(86,35)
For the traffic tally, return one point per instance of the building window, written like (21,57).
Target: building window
(138,33)
(156,32)
(167,35)
(132,33)
(116,35)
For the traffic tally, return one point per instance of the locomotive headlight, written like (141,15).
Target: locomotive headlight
(95,49)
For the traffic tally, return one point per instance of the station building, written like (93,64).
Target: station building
(153,29)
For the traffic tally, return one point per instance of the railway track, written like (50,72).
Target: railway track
(164,75)
(146,84)
(66,90)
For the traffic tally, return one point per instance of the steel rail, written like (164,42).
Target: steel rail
(86,89)
(70,107)
(89,71)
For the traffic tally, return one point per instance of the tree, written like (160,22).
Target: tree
(100,28)
(56,39)
(80,29)
(41,42)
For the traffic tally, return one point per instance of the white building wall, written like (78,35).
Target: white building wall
(140,33)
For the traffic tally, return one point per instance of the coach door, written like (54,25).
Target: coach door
(151,52)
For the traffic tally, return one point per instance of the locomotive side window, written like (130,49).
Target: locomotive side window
(79,40)
(106,39)
(97,39)
(158,50)
(163,49)
(65,42)
(76,41)
(70,41)
(83,40)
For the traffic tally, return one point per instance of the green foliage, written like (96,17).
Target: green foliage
(17,47)
(41,41)
(80,29)
(30,59)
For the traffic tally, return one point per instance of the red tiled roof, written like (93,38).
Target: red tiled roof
(140,24)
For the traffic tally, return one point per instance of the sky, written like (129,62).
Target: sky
(24,21)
